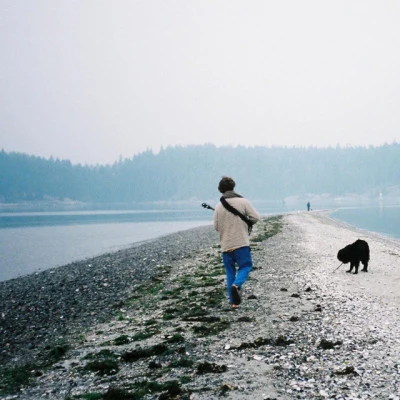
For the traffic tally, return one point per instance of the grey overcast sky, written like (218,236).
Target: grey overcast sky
(95,80)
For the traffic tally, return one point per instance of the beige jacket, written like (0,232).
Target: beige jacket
(233,231)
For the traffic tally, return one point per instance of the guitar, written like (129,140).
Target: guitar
(205,205)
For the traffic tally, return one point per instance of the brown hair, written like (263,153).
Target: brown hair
(226,184)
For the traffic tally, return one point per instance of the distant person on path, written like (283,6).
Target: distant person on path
(234,237)
(308,206)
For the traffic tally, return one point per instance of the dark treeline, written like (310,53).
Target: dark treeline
(184,173)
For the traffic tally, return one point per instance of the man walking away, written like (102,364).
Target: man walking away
(234,230)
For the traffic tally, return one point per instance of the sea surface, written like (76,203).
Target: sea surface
(381,220)
(34,241)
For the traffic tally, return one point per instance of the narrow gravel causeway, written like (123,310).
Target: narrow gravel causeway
(153,321)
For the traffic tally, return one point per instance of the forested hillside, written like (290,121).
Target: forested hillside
(182,173)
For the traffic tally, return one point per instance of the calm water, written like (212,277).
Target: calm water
(30,242)
(383,220)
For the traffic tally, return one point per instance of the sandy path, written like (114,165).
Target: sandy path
(323,237)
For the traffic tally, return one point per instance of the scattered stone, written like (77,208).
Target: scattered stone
(346,371)
(223,389)
(329,344)
(155,365)
(138,353)
(206,367)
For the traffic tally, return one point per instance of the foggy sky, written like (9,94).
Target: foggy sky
(95,80)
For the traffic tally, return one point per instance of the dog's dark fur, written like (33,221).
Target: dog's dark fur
(354,253)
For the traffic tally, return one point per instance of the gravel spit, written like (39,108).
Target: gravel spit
(306,329)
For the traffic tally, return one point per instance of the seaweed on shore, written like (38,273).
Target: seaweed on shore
(272,227)
(158,328)
(12,378)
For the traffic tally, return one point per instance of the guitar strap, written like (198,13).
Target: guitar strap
(236,212)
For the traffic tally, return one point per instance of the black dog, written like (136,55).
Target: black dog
(354,253)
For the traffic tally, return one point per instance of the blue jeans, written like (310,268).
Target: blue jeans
(241,257)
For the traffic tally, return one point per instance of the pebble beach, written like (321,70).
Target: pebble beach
(153,322)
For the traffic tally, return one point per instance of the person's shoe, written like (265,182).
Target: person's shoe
(235,295)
